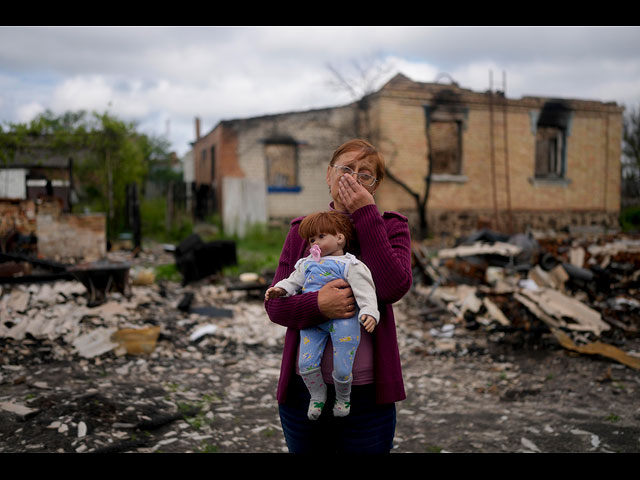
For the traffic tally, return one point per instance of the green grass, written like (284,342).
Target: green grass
(612,417)
(258,251)
(168,272)
(208,448)
(153,222)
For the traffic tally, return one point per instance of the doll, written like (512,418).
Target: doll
(329,234)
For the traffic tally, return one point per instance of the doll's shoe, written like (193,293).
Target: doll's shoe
(341,408)
(315,409)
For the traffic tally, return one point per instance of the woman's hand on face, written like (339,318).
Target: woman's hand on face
(353,195)
(335,300)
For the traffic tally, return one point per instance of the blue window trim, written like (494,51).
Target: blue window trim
(274,189)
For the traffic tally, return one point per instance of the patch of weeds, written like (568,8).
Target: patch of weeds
(269,432)
(29,396)
(195,422)
(172,387)
(612,417)
(619,385)
(548,377)
(503,376)
(184,407)
(208,448)
(168,272)
(208,399)
(434,449)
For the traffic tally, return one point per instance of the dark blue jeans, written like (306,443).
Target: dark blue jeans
(369,427)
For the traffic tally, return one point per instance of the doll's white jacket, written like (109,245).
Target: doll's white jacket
(356,274)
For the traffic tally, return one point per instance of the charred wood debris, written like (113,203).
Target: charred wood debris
(578,289)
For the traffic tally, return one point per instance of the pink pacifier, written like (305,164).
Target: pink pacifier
(315,252)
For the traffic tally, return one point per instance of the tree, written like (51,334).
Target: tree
(631,156)
(108,153)
(363,81)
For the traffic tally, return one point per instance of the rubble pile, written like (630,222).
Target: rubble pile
(57,316)
(582,290)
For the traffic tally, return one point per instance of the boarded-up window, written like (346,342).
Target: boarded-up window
(282,169)
(446,146)
(549,152)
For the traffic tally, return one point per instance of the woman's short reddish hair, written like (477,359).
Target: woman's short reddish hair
(366,151)
(326,222)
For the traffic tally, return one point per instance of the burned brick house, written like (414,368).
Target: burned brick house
(36,197)
(484,158)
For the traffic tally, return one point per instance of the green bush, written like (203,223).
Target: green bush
(630,219)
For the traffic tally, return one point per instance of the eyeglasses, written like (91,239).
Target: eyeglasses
(364,179)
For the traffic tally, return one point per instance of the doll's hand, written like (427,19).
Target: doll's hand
(274,292)
(353,195)
(368,322)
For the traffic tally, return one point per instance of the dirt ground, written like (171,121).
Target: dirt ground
(476,391)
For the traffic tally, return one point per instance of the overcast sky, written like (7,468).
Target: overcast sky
(163,77)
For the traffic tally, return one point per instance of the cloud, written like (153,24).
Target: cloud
(27,112)
(154,74)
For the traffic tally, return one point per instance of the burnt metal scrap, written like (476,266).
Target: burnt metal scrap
(197,259)
(582,290)
(99,278)
(21,268)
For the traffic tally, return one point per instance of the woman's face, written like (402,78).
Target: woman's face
(364,165)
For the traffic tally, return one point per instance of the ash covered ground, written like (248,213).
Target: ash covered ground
(472,384)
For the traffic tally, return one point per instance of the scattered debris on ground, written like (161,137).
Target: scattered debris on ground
(521,343)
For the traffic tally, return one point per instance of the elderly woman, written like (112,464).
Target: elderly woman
(383,243)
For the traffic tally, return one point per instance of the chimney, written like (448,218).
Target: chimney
(197,129)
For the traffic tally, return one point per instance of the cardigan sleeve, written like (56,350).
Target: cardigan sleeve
(296,311)
(364,291)
(385,247)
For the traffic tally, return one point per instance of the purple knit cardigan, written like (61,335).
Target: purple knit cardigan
(385,247)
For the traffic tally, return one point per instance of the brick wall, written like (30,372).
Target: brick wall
(318,133)
(72,237)
(497,182)
(498,158)
(17,215)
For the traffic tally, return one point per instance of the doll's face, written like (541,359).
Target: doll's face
(329,243)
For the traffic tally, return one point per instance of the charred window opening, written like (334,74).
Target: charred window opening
(552,130)
(446,121)
(282,165)
(446,147)
(549,152)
